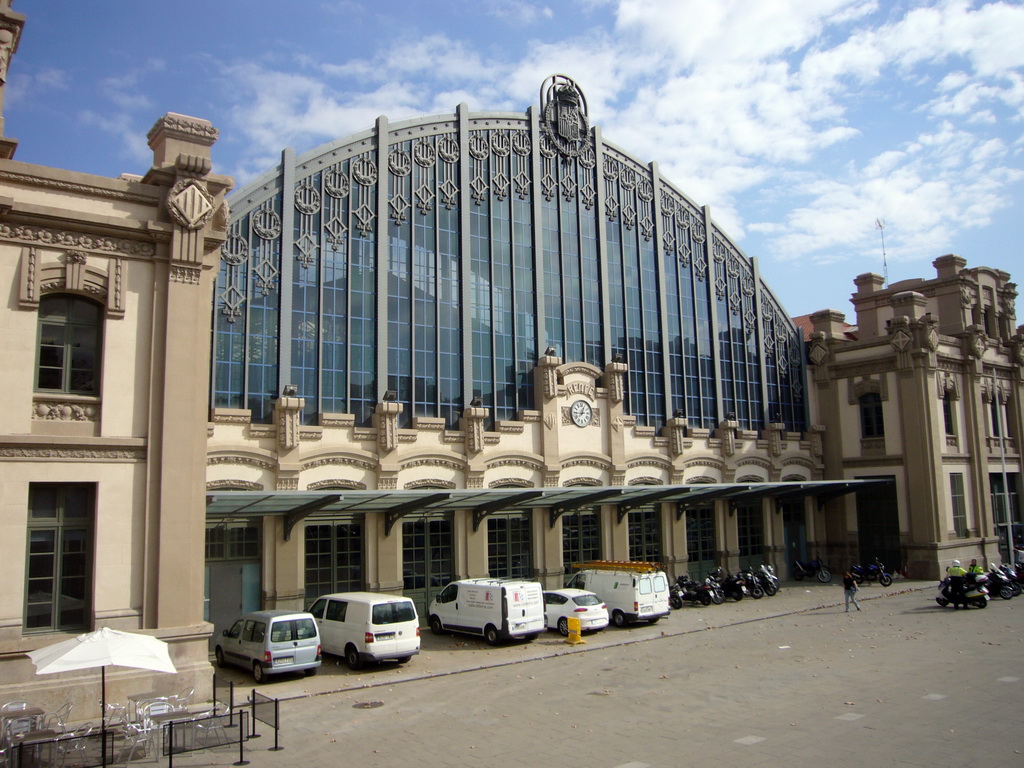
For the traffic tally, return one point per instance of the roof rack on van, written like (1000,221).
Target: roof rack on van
(619,565)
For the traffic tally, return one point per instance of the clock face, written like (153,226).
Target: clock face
(581,413)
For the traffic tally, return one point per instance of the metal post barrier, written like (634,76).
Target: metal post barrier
(267,711)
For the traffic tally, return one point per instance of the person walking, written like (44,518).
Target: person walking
(850,591)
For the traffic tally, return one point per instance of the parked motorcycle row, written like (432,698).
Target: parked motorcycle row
(720,586)
(978,588)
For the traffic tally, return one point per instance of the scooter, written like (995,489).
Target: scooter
(974,592)
(999,583)
(766,577)
(873,572)
(813,568)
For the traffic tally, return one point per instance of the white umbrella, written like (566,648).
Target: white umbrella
(103,648)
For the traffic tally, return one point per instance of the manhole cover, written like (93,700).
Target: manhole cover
(368,705)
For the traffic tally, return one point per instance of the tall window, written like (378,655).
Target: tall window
(958,503)
(700,540)
(334,558)
(509,538)
(645,534)
(750,529)
(948,416)
(60,552)
(996,410)
(581,537)
(70,332)
(871,424)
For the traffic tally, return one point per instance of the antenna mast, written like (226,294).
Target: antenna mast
(880,226)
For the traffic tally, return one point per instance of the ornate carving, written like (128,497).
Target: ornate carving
(189,204)
(63,238)
(88,454)
(288,414)
(564,120)
(200,130)
(531,464)
(250,461)
(435,461)
(233,485)
(182,274)
(345,461)
(429,483)
(65,411)
(336,483)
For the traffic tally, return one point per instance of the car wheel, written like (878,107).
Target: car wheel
(563,626)
(655,620)
(352,658)
(618,619)
(404,660)
(436,626)
(257,673)
(219,655)
(311,672)
(491,635)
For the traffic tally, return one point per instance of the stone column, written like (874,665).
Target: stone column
(192,228)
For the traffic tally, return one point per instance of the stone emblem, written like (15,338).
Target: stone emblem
(189,204)
(564,118)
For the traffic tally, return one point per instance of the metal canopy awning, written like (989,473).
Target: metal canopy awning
(295,506)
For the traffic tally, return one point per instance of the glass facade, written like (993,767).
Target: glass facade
(439,258)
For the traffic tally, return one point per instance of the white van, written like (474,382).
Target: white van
(367,627)
(497,609)
(271,642)
(632,591)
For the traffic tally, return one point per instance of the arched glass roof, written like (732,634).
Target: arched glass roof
(439,257)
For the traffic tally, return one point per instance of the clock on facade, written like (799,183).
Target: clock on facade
(581,413)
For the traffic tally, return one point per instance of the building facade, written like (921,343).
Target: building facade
(483,301)
(105,359)
(473,344)
(928,394)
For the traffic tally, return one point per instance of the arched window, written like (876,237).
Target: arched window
(871,424)
(70,339)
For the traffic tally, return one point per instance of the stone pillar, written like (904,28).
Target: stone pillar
(11,24)
(191,236)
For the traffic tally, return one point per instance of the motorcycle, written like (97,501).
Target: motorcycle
(766,578)
(999,583)
(715,590)
(874,572)
(1016,577)
(813,568)
(686,590)
(732,585)
(974,592)
(754,587)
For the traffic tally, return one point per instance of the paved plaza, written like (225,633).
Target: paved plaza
(784,680)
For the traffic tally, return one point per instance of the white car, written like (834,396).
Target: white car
(562,604)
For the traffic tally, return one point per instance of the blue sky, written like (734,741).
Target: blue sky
(799,123)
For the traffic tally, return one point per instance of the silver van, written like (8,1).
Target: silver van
(271,642)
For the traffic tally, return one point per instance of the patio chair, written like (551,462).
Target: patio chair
(182,698)
(58,720)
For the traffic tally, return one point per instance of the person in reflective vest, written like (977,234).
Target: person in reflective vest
(956,581)
(974,567)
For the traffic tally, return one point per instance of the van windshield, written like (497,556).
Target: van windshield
(393,613)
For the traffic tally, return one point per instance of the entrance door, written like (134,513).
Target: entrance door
(427,559)
(878,524)
(794,532)
(237,592)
